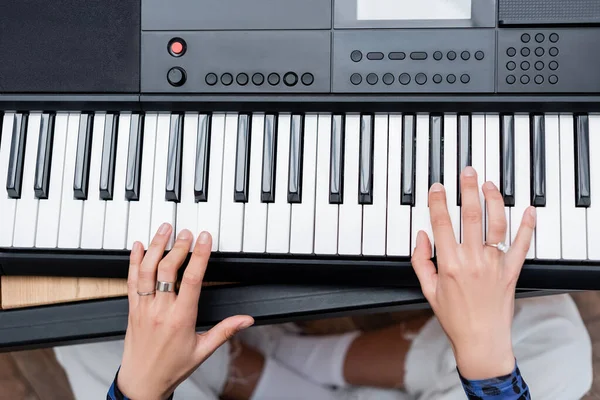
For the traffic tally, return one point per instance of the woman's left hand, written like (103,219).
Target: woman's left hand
(162,347)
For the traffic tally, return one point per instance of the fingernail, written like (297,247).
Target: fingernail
(184,235)
(136,247)
(246,324)
(164,228)
(437,187)
(532,212)
(490,185)
(469,171)
(419,238)
(204,237)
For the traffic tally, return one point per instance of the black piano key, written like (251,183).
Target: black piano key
(174,159)
(582,162)
(242,159)
(465,158)
(202,159)
(538,161)
(365,177)
(269,159)
(17,156)
(44,156)
(134,158)
(296,159)
(409,137)
(109,157)
(83,157)
(507,159)
(436,154)
(336,168)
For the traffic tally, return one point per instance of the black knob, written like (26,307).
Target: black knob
(176,76)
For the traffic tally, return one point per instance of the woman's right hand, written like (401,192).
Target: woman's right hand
(472,292)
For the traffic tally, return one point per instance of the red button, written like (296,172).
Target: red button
(176,47)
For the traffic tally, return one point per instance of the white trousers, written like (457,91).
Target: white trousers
(550,341)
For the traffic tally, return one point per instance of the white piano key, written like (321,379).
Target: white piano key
(326,215)
(209,212)
(279,212)
(71,210)
(398,216)
(573,219)
(163,211)
(350,218)
(187,209)
(548,227)
(140,211)
(374,215)
(492,161)
(49,210)
(303,214)
(117,209)
(255,214)
(27,206)
(450,170)
(232,212)
(92,228)
(478,138)
(7,205)
(593,212)
(522,178)
(420,212)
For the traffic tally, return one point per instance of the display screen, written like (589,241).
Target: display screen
(413,9)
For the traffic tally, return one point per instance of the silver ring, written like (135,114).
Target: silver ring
(500,246)
(165,286)
(146,293)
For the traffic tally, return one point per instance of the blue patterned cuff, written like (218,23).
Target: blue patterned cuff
(507,387)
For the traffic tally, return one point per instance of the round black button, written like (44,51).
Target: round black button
(421,78)
(258,79)
(176,76)
(177,47)
(525,79)
(511,65)
(553,79)
(553,51)
(511,52)
(356,79)
(372,79)
(479,55)
(525,65)
(540,37)
(242,79)
(511,79)
(227,79)
(437,55)
(539,79)
(437,78)
(388,79)
(356,56)
(274,79)
(451,78)
(554,37)
(465,55)
(290,79)
(307,79)
(465,78)
(525,51)
(553,65)
(451,55)
(404,78)
(525,38)
(539,65)
(211,79)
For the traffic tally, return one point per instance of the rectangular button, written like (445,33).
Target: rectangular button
(418,55)
(507,160)
(436,161)
(134,158)
(408,160)
(174,158)
(336,171)
(109,156)
(202,158)
(17,156)
(296,157)
(44,156)
(538,159)
(397,55)
(269,159)
(82,162)
(242,159)
(464,148)
(582,162)
(375,56)
(365,190)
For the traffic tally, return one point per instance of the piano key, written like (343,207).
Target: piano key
(202,158)
(94,208)
(336,182)
(209,211)
(573,218)
(548,224)
(279,212)
(365,190)
(7,204)
(269,159)
(242,158)
(71,209)
(522,180)
(582,161)
(350,218)
(232,211)
(464,147)
(326,213)
(374,215)
(436,157)
(163,210)
(82,163)
(255,213)
(478,157)
(507,160)
(44,156)
(27,205)
(296,153)
(451,170)
(398,215)
(140,211)
(303,214)
(408,160)
(175,149)
(187,209)
(117,210)
(538,159)
(420,212)
(593,211)
(109,156)
(49,211)
(17,154)
(492,162)
(134,158)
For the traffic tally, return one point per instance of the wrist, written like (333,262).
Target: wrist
(134,390)
(485,362)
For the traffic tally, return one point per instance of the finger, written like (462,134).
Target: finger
(135,259)
(441,224)
(423,266)
(191,284)
(496,216)
(520,246)
(168,267)
(471,209)
(222,332)
(156,250)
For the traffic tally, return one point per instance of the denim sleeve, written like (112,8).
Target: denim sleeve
(507,387)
